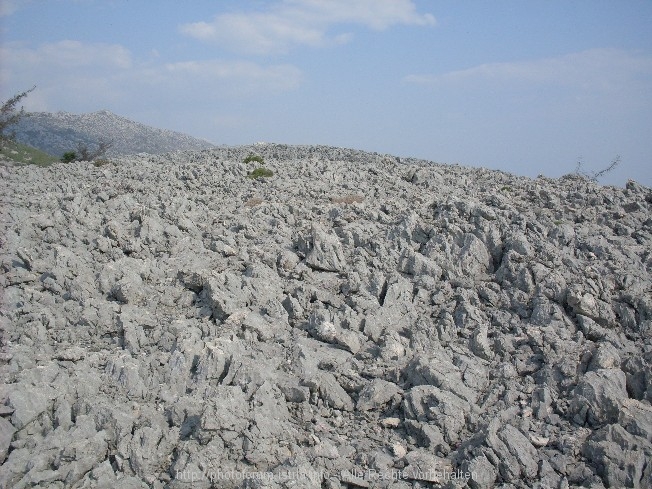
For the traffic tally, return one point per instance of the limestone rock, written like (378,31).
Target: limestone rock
(7,431)
(326,253)
(376,394)
(165,317)
(599,396)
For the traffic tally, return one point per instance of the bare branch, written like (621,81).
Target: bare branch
(9,116)
(83,153)
(612,166)
(595,175)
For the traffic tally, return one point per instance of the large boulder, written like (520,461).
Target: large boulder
(598,397)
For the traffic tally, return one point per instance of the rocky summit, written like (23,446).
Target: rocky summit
(61,132)
(354,320)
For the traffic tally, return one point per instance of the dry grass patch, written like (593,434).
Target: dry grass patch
(253,202)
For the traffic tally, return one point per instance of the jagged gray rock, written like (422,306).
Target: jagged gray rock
(598,397)
(166,320)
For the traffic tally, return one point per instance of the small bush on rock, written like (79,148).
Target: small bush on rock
(84,153)
(69,157)
(254,158)
(260,173)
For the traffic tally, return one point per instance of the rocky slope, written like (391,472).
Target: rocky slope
(353,321)
(60,132)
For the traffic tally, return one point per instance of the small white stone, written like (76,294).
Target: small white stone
(390,422)
(399,450)
(539,441)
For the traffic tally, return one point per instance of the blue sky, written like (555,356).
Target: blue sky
(525,87)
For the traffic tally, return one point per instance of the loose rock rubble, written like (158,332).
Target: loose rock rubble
(354,321)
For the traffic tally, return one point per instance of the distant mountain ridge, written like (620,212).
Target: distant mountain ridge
(59,132)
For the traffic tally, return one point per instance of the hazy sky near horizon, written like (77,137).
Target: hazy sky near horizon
(525,87)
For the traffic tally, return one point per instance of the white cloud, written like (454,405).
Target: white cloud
(302,22)
(247,76)
(76,76)
(67,55)
(255,33)
(8,7)
(65,69)
(377,14)
(601,69)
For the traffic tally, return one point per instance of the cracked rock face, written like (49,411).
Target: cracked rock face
(353,321)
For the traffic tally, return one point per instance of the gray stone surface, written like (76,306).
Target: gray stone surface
(7,431)
(166,319)
(598,397)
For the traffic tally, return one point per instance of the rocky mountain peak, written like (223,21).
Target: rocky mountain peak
(57,133)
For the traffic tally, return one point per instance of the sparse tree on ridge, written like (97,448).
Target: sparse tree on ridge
(10,116)
(83,153)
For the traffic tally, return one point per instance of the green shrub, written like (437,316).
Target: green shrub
(69,157)
(101,162)
(84,153)
(260,173)
(254,158)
